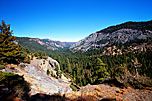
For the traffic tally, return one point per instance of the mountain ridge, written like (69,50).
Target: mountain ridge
(42,44)
(129,25)
(121,33)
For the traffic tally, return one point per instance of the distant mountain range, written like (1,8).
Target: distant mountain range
(123,33)
(36,44)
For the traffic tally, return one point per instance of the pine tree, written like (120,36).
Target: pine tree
(9,51)
(36,54)
(69,66)
(100,71)
(58,72)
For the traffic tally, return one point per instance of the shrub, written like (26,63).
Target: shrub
(2,67)
(52,74)
(73,87)
(48,71)
(12,67)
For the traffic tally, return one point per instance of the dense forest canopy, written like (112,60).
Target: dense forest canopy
(84,67)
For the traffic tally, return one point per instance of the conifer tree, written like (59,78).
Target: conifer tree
(100,71)
(9,51)
(57,71)
(69,66)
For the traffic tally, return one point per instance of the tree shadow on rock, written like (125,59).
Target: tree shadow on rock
(44,97)
(108,99)
(113,83)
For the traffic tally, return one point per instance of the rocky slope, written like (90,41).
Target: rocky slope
(35,73)
(115,34)
(107,93)
(42,44)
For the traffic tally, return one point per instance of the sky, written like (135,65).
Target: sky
(70,20)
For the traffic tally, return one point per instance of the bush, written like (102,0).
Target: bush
(12,68)
(43,61)
(52,74)
(2,67)
(22,65)
(48,71)
(73,87)
(127,79)
(45,57)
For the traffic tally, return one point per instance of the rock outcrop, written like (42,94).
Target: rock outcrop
(35,73)
(108,93)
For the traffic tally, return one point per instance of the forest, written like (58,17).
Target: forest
(131,68)
(84,69)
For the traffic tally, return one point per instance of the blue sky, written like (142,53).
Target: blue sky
(70,20)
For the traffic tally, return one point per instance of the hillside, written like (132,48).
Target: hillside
(119,34)
(36,44)
(107,93)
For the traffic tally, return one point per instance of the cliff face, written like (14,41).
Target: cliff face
(35,73)
(115,34)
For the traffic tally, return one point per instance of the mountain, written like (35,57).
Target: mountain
(35,44)
(123,33)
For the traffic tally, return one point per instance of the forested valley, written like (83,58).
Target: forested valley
(124,65)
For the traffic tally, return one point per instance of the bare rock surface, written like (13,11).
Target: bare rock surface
(100,39)
(108,93)
(35,73)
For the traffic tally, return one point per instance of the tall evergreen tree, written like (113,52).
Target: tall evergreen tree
(9,51)
(100,71)
(69,66)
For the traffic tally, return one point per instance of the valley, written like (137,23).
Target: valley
(42,44)
(111,64)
